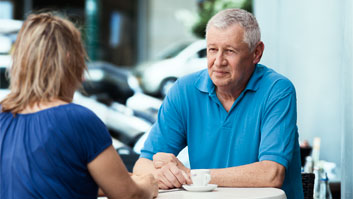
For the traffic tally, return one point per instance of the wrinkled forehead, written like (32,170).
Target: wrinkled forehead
(234,33)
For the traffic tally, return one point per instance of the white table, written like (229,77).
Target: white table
(224,193)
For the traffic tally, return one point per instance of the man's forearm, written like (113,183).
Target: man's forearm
(259,174)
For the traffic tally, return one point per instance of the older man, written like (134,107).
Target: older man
(238,118)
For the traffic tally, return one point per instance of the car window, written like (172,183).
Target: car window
(6,44)
(172,51)
(202,53)
(4,83)
(107,86)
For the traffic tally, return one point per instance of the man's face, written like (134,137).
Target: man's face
(230,62)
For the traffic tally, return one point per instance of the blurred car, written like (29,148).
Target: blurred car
(183,155)
(157,77)
(125,110)
(10,26)
(120,120)
(111,94)
(8,32)
(5,61)
(111,83)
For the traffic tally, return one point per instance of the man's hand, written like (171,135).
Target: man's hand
(170,171)
(170,176)
(161,159)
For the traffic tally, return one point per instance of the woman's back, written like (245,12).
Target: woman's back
(52,148)
(45,154)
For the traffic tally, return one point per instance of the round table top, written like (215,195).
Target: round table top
(224,193)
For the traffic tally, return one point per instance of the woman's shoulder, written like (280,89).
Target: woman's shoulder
(75,116)
(71,113)
(76,108)
(77,111)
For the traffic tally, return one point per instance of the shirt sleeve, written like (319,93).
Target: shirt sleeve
(94,137)
(279,129)
(168,133)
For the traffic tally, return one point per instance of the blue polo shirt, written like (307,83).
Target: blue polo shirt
(261,125)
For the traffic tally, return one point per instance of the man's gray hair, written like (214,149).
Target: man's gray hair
(246,20)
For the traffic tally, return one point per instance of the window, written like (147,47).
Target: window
(202,53)
(4,82)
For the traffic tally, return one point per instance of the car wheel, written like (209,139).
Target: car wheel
(166,85)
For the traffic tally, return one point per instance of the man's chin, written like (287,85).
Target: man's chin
(218,82)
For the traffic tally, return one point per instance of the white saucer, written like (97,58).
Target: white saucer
(192,187)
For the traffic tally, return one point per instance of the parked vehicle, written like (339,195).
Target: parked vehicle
(119,119)
(5,61)
(111,94)
(157,77)
(8,32)
(10,26)
(183,155)
(122,106)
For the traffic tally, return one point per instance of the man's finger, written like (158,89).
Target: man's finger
(165,181)
(161,185)
(187,177)
(158,164)
(171,177)
(178,174)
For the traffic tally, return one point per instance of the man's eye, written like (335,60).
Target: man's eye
(230,51)
(212,50)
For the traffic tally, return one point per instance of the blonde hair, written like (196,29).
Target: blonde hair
(48,62)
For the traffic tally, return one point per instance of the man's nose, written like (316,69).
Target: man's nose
(220,60)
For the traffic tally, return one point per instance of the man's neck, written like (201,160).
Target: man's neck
(228,96)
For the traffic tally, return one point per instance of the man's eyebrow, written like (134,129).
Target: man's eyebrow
(233,47)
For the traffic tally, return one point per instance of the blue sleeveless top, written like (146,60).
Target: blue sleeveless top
(45,154)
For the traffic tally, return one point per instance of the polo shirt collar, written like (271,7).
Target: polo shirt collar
(205,84)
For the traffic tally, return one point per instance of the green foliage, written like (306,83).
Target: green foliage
(210,7)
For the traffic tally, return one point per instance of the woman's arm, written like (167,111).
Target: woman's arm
(110,174)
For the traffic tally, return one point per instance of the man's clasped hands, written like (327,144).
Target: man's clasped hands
(170,172)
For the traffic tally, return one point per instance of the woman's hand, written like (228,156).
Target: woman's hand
(147,182)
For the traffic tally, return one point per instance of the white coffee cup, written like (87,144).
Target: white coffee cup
(200,177)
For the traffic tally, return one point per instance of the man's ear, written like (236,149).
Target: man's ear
(258,51)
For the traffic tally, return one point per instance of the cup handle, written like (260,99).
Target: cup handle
(208,178)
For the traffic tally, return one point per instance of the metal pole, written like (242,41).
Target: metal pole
(347,74)
(142,34)
(92,8)
(27,7)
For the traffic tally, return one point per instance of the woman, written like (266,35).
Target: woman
(50,147)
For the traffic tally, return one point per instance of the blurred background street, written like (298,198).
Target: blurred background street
(138,48)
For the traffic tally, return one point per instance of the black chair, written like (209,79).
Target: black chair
(128,156)
(304,152)
(308,185)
